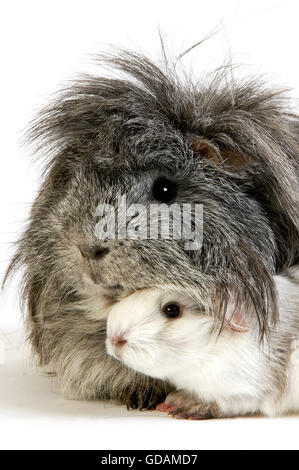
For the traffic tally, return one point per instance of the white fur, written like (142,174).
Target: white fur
(232,369)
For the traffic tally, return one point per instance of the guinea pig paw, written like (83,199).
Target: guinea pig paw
(197,411)
(175,400)
(180,405)
(165,408)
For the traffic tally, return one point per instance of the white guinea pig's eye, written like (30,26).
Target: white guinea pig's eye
(172,310)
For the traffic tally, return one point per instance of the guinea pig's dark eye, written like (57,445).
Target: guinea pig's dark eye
(164,190)
(172,310)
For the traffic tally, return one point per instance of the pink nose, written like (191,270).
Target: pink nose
(118,341)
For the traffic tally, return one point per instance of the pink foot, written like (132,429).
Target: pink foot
(165,407)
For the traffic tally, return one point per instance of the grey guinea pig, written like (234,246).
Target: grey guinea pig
(156,136)
(165,334)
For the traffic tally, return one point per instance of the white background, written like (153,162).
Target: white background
(42,44)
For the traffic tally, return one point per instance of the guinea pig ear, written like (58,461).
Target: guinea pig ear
(234,160)
(229,159)
(204,149)
(238,322)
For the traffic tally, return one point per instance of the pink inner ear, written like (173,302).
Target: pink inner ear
(238,323)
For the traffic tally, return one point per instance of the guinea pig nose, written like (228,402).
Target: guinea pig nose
(118,341)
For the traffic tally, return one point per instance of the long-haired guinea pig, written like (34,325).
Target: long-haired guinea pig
(157,137)
(165,335)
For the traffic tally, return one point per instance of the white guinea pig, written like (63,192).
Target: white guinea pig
(164,334)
